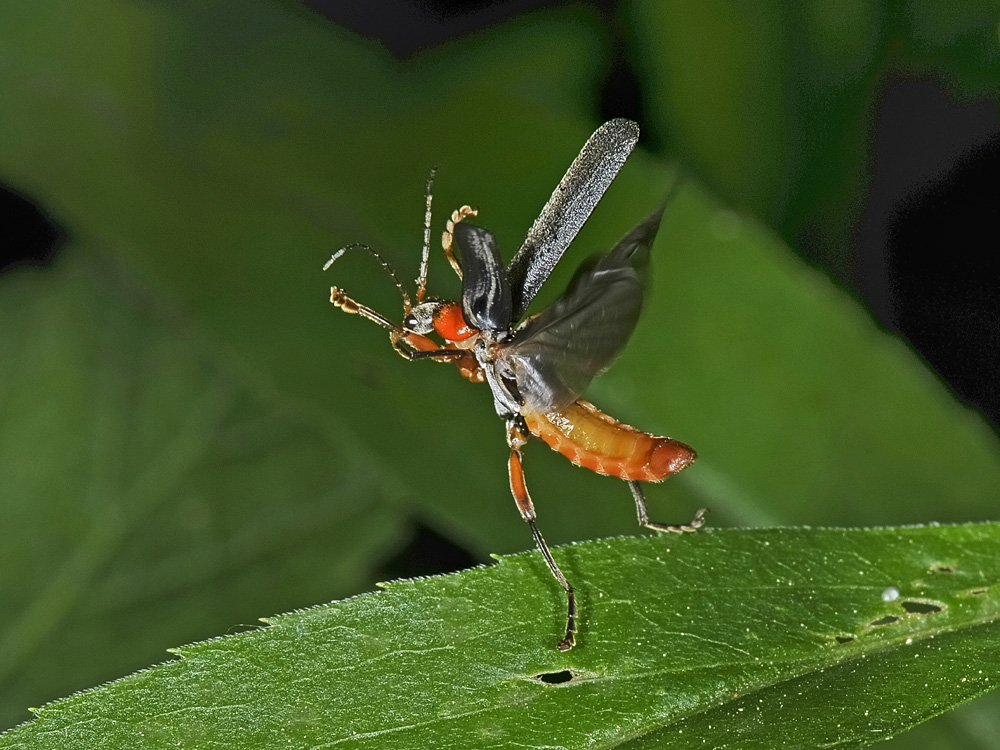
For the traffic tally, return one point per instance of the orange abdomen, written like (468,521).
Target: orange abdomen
(590,438)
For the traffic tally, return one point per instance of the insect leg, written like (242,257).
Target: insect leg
(448,236)
(409,345)
(640,507)
(412,355)
(340,299)
(433,354)
(516,437)
(414,346)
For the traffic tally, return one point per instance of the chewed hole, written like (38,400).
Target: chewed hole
(922,606)
(555,678)
(943,569)
(977,592)
(887,620)
(844,638)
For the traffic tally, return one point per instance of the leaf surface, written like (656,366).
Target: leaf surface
(724,638)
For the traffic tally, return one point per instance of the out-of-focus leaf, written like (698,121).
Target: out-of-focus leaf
(732,639)
(719,95)
(150,490)
(235,183)
(772,103)
(753,337)
(765,102)
(957,42)
(228,171)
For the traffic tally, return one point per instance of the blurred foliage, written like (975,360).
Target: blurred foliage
(771,102)
(194,437)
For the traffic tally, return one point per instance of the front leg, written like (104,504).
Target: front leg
(448,236)
(413,346)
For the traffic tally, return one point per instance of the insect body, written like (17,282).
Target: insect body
(538,368)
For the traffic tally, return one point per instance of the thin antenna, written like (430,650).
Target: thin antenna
(382,261)
(425,255)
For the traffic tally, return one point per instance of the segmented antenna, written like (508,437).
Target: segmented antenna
(382,261)
(425,254)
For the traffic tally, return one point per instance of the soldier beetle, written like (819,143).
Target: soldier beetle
(538,367)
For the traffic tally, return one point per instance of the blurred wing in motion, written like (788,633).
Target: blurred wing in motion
(555,355)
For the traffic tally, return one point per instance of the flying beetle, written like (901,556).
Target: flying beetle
(538,367)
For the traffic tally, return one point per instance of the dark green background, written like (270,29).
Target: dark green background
(193,438)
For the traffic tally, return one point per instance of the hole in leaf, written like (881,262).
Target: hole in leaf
(555,678)
(943,569)
(977,592)
(844,638)
(922,607)
(887,620)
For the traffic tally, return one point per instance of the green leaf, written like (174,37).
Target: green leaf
(722,639)
(151,490)
(222,168)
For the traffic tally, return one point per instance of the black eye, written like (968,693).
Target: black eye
(410,322)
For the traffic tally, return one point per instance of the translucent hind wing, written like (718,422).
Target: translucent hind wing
(553,357)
